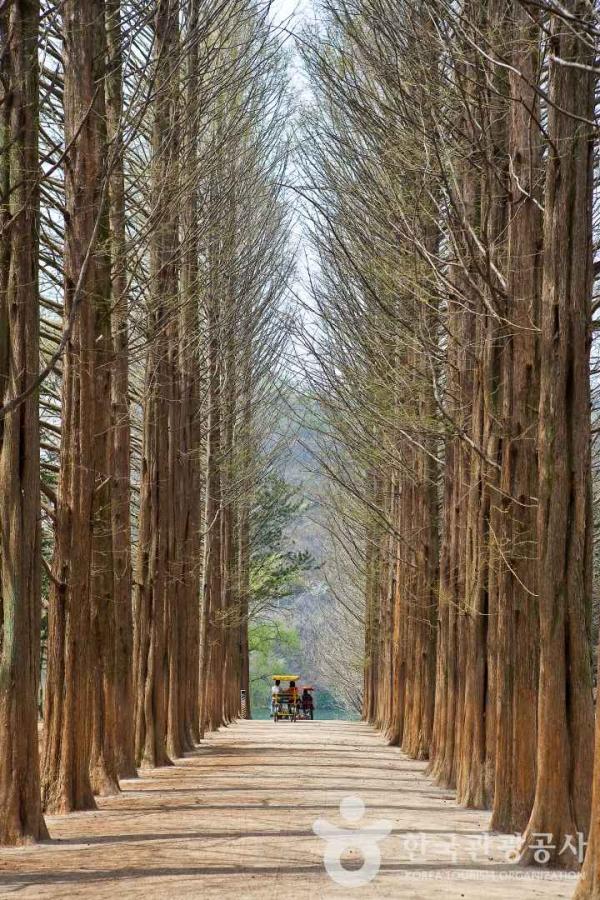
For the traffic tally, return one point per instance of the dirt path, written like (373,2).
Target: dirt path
(235,820)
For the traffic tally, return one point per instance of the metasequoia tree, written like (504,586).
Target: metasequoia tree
(244,283)
(486,149)
(20,801)
(156,542)
(448,188)
(190,486)
(435,192)
(120,473)
(212,706)
(379,300)
(517,634)
(565,715)
(380,372)
(105,696)
(68,733)
(147,269)
(165,244)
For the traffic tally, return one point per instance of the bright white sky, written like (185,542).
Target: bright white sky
(284,8)
(293,12)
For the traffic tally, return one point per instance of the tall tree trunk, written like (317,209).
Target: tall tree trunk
(20,548)
(371,601)
(103,765)
(441,751)
(246,458)
(66,782)
(121,499)
(190,488)
(565,714)
(175,611)
(153,599)
(212,671)
(374,579)
(244,600)
(424,525)
(487,218)
(419,525)
(517,653)
(452,648)
(396,732)
(229,486)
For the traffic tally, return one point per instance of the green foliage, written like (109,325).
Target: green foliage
(273,648)
(263,636)
(275,569)
(276,573)
(269,643)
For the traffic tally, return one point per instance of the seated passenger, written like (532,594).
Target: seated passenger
(307,702)
(275,696)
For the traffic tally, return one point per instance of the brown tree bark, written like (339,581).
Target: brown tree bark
(517,654)
(246,457)
(486,217)
(20,550)
(212,685)
(175,612)
(441,766)
(565,713)
(121,439)
(103,761)
(229,486)
(419,523)
(190,486)
(588,886)
(387,596)
(154,600)
(367,707)
(452,642)
(149,647)
(66,782)
(422,529)
(395,730)
(372,570)
(244,600)
(103,764)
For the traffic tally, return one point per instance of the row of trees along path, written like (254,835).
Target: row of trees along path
(447,161)
(450,181)
(143,270)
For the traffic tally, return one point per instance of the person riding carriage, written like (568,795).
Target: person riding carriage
(307,703)
(286,700)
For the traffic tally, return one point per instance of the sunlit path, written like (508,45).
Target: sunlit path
(235,820)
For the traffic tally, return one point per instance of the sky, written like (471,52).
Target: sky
(284,8)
